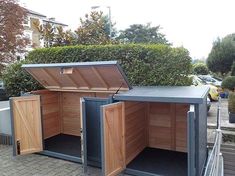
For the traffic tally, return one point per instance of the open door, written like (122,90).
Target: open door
(113,139)
(26,124)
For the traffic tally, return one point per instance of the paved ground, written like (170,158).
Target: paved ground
(38,165)
(211,120)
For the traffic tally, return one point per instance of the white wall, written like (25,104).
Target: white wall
(5,121)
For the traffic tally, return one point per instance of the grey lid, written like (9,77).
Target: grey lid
(174,94)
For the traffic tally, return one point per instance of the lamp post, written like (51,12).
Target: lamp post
(110,24)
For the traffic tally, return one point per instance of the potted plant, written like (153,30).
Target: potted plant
(229,83)
(231,107)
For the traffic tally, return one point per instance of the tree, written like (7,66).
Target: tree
(233,69)
(54,36)
(138,33)
(200,69)
(12,40)
(93,29)
(222,55)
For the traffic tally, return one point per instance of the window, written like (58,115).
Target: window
(26,22)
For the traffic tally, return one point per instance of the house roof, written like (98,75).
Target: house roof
(174,94)
(103,76)
(41,15)
(55,22)
(35,13)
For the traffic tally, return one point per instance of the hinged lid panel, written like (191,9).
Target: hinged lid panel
(105,76)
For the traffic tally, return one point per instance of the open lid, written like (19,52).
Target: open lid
(102,76)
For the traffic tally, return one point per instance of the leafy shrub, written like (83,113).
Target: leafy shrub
(231,102)
(17,80)
(229,83)
(143,64)
(233,70)
(200,69)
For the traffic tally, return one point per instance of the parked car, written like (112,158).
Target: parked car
(3,93)
(211,80)
(213,94)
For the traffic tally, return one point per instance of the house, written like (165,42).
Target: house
(31,32)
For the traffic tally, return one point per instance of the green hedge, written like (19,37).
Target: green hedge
(200,69)
(229,83)
(144,64)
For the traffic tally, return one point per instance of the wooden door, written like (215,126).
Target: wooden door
(113,140)
(26,124)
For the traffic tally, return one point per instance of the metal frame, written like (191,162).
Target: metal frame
(123,75)
(61,156)
(102,141)
(191,141)
(83,136)
(138,172)
(109,100)
(143,95)
(12,126)
(72,64)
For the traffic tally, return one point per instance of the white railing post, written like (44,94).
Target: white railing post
(213,163)
(219,133)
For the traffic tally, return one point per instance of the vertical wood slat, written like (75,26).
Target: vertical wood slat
(114,138)
(27,124)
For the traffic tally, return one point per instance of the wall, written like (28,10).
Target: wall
(168,126)
(136,128)
(61,111)
(70,111)
(50,102)
(5,121)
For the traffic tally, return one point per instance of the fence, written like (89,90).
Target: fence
(214,165)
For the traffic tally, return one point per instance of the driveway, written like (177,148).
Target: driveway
(212,114)
(38,165)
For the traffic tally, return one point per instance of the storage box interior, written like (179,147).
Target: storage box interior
(156,137)
(155,133)
(61,120)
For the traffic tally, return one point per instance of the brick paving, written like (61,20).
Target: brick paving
(38,165)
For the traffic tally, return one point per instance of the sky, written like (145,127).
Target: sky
(193,24)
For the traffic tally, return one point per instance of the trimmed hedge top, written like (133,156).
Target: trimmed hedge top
(146,65)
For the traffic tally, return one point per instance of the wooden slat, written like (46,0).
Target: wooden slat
(51,76)
(114,138)
(70,108)
(50,112)
(160,124)
(100,77)
(87,77)
(82,77)
(136,136)
(181,127)
(27,124)
(168,126)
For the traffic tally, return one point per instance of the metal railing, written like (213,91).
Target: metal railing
(215,159)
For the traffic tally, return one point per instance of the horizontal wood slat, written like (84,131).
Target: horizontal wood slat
(50,112)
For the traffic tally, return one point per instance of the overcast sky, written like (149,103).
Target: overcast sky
(194,24)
